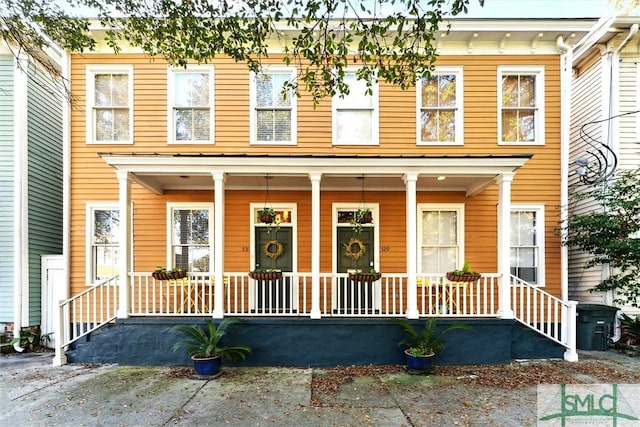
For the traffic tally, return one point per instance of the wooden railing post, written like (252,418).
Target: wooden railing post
(569,333)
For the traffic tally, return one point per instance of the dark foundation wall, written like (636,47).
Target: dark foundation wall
(307,342)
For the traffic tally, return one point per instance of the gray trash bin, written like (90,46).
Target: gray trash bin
(595,326)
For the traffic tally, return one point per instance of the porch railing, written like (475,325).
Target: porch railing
(543,312)
(291,296)
(86,312)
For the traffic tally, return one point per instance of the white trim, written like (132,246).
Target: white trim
(530,70)
(189,206)
(337,102)
(459,108)
(457,207)
(91,207)
(190,69)
(539,210)
(346,206)
(293,207)
(253,126)
(90,72)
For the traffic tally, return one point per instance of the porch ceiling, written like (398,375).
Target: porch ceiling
(469,174)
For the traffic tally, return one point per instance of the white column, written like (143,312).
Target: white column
(315,245)
(124,263)
(218,244)
(569,322)
(504,242)
(410,180)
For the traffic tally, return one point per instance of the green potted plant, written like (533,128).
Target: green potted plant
(361,216)
(464,274)
(359,275)
(161,273)
(203,345)
(422,345)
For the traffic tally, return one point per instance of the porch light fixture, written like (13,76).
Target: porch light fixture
(441,178)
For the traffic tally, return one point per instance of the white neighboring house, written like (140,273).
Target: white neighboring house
(606,84)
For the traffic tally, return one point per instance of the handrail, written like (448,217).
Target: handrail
(85,312)
(546,314)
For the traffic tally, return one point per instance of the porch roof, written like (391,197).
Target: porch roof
(179,171)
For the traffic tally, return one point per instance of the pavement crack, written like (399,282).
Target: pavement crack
(178,413)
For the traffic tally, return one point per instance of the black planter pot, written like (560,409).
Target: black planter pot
(206,366)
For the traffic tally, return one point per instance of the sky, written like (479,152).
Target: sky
(540,9)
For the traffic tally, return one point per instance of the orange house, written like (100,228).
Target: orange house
(173,167)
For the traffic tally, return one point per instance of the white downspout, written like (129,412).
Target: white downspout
(568,315)
(20,144)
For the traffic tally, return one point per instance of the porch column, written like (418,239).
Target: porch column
(124,263)
(315,244)
(505,310)
(410,180)
(218,244)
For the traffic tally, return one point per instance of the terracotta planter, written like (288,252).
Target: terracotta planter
(364,277)
(466,277)
(266,275)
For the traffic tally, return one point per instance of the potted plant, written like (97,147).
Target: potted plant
(465,274)
(421,346)
(358,275)
(260,273)
(267,215)
(203,345)
(361,216)
(161,273)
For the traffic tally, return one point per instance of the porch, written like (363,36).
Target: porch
(290,302)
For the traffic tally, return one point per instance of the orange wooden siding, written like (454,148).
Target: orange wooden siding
(92,180)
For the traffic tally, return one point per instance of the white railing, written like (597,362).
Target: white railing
(86,312)
(543,312)
(438,296)
(291,295)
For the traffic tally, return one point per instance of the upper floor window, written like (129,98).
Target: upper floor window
(191,236)
(110,104)
(355,116)
(103,224)
(440,237)
(190,104)
(527,243)
(273,108)
(440,101)
(521,105)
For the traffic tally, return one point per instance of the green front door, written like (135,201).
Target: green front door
(274,251)
(354,251)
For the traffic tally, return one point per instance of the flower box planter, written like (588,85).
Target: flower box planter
(466,277)
(265,275)
(166,275)
(364,277)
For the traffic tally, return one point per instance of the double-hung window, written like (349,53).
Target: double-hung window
(273,107)
(441,237)
(527,243)
(355,115)
(190,106)
(440,112)
(103,223)
(109,104)
(190,228)
(521,105)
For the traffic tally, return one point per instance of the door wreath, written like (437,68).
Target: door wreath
(273,249)
(354,248)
